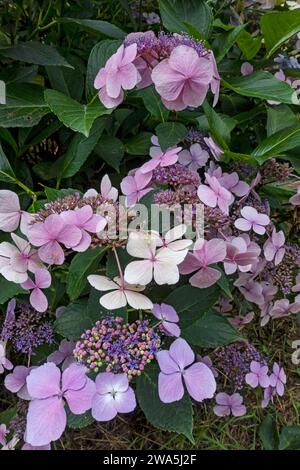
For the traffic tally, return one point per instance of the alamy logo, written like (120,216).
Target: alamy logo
(2,92)
(296,354)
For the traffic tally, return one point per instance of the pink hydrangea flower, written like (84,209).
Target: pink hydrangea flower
(269,394)
(49,390)
(158,264)
(251,290)
(173,238)
(295,200)
(238,256)
(215,150)
(282,308)
(183,79)
(121,295)
(118,74)
(86,221)
(107,191)
(278,379)
(208,362)
(64,354)
(16,381)
(229,404)
(240,321)
(205,253)
(4,362)
(160,157)
(42,280)
(274,247)
(215,194)
(16,260)
(252,220)
(135,187)
(169,318)
(194,158)
(247,68)
(11,214)
(232,182)
(258,375)
(49,234)
(177,370)
(113,395)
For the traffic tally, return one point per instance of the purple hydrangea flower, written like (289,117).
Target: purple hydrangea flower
(177,370)
(258,375)
(229,404)
(278,379)
(168,316)
(113,395)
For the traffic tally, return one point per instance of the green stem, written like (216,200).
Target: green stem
(27,190)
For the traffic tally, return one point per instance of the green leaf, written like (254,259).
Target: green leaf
(220,127)
(280,117)
(7,415)
(53,194)
(289,438)
(174,417)
(175,13)
(78,151)
(139,144)
(268,433)
(227,41)
(35,53)
(191,301)
(210,330)
(82,265)
(6,172)
(100,53)
(67,81)
(277,27)
(262,85)
(153,103)
(248,44)
(73,322)
(170,133)
(111,150)
(25,105)
(277,144)
(8,138)
(79,421)
(96,26)
(76,116)
(8,290)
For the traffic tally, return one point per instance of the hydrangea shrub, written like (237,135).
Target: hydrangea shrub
(103,309)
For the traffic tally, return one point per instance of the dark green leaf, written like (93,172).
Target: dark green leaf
(79,421)
(191,301)
(6,172)
(139,144)
(82,265)
(227,41)
(262,85)
(289,438)
(268,433)
(79,117)
(277,27)
(78,151)
(280,117)
(277,144)
(96,26)
(175,417)
(153,103)
(73,322)
(248,44)
(25,105)
(8,290)
(170,133)
(111,150)
(175,13)
(210,330)
(35,53)
(220,127)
